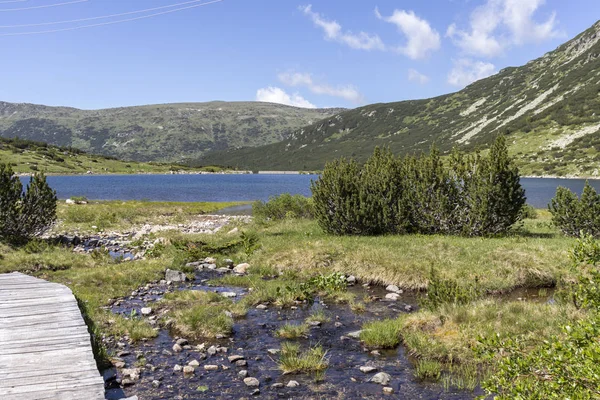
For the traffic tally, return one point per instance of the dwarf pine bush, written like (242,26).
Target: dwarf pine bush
(466,195)
(24,214)
(573,215)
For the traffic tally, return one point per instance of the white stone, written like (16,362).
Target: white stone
(251,382)
(292,384)
(241,268)
(392,296)
(367,369)
(382,378)
(393,288)
(146,311)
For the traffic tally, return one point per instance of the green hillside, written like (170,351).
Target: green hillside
(28,157)
(550,108)
(167,132)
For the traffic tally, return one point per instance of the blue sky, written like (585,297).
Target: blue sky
(311,54)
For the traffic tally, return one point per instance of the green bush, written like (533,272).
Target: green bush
(469,195)
(573,215)
(24,214)
(284,206)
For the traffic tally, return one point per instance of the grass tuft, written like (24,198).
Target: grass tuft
(292,331)
(292,360)
(383,334)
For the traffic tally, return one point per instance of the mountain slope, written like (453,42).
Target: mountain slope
(549,107)
(167,132)
(26,157)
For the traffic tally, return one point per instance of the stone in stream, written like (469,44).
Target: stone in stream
(241,268)
(175,276)
(182,342)
(156,384)
(354,335)
(293,384)
(392,296)
(212,350)
(177,368)
(314,323)
(351,280)
(388,390)
(277,385)
(146,310)
(132,373)
(177,348)
(261,307)
(194,363)
(393,288)
(211,367)
(229,294)
(255,392)
(241,363)
(251,382)
(367,369)
(188,370)
(243,373)
(382,378)
(235,358)
(273,351)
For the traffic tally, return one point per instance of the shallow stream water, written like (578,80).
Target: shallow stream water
(254,334)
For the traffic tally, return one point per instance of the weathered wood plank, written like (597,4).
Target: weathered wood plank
(45,349)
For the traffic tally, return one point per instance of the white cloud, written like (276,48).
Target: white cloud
(466,71)
(347,92)
(273,94)
(422,39)
(416,76)
(499,24)
(333,31)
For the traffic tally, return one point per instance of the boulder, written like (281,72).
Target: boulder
(175,276)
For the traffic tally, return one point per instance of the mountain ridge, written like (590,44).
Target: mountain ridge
(170,132)
(549,108)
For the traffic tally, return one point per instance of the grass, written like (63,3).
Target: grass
(428,370)
(319,316)
(293,361)
(537,256)
(381,334)
(126,214)
(292,331)
(199,315)
(451,333)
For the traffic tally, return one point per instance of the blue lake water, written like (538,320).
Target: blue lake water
(238,187)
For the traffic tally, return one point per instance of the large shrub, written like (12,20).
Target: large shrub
(24,214)
(467,195)
(573,215)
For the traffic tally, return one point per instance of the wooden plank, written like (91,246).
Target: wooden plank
(45,347)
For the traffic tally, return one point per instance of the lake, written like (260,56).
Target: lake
(236,187)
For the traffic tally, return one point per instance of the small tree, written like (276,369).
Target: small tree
(24,214)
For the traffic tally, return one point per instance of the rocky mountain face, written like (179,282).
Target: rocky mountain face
(169,132)
(549,108)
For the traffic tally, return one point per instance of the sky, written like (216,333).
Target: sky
(333,53)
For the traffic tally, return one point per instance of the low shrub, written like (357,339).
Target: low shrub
(284,206)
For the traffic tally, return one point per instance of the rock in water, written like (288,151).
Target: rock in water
(367,369)
(175,276)
(393,288)
(382,378)
(251,382)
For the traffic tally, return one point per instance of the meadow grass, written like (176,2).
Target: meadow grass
(292,360)
(201,315)
(319,316)
(383,334)
(292,331)
(535,256)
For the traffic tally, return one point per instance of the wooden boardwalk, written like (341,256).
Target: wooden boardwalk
(45,347)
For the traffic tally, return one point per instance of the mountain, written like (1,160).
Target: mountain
(549,108)
(166,132)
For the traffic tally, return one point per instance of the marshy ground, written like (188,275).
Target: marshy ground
(290,300)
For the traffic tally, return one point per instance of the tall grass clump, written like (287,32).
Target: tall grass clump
(572,214)
(283,206)
(469,195)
